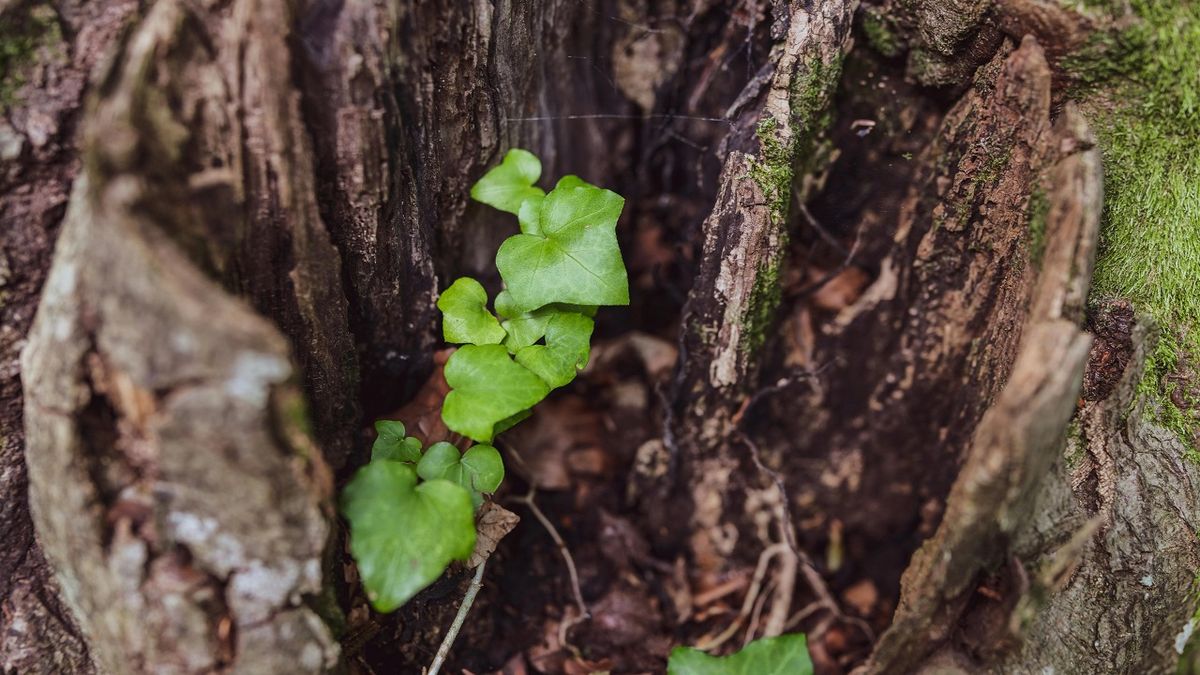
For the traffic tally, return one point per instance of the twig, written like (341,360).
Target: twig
(460,618)
(822,232)
(584,614)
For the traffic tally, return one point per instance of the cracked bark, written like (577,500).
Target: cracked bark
(268,195)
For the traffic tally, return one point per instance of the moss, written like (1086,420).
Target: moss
(809,92)
(1161,385)
(1039,206)
(880,34)
(764,300)
(1140,84)
(1076,446)
(773,170)
(25,29)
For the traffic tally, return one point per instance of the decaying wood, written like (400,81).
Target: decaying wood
(734,295)
(172,478)
(38,160)
(133,441)
(313,159)
(1019,437)
(173,481)
(873,422)
(1112,551)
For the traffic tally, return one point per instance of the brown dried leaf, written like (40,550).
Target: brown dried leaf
(422,416)
(495,522)
(558,427)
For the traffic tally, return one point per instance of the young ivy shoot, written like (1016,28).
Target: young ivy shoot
(412,510)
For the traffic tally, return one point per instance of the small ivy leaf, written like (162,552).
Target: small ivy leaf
(480,470)
(403,535)
(505,306)
(575,259)
(568,337)
(572,181)
(530,216)
(528,328)
(488,388)
(465,317)
(508,186)
(392,444)
(783,655)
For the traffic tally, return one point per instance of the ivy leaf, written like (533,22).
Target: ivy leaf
(568,337)
(479,470)
(512,421)
(403,535)
(529,216)
(527,328)
(572,181)
(465,317)
(505,306)
(783,655)
(574,259)
(392,444)
(508,186)
(488,387)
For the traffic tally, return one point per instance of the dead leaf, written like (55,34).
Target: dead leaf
(422,416)
(558,427)
(495,522)
(656,355)
(839,292)
(862,596)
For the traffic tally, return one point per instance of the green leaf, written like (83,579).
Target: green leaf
(568,337)
(527,328)
(512,421)
(530,215)
(783,655)
(488,387)
(575,259)
(479,470)
(465,317)
(505,306)
(572,181)
(508,186)
(392,444)
(403,535)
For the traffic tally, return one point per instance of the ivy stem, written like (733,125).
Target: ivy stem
(459,619)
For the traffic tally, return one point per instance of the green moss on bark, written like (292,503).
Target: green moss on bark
(764,300)
(1039,206)
(1140,83)
(880,34)
(782,158)
(23,30)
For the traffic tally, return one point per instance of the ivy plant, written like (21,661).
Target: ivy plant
(411,509)
(783,655)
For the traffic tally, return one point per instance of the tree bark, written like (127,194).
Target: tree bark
(879,223)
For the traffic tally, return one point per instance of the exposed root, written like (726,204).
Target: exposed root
(760,571)
(778,621)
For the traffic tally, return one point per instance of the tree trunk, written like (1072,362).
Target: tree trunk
(865,389)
